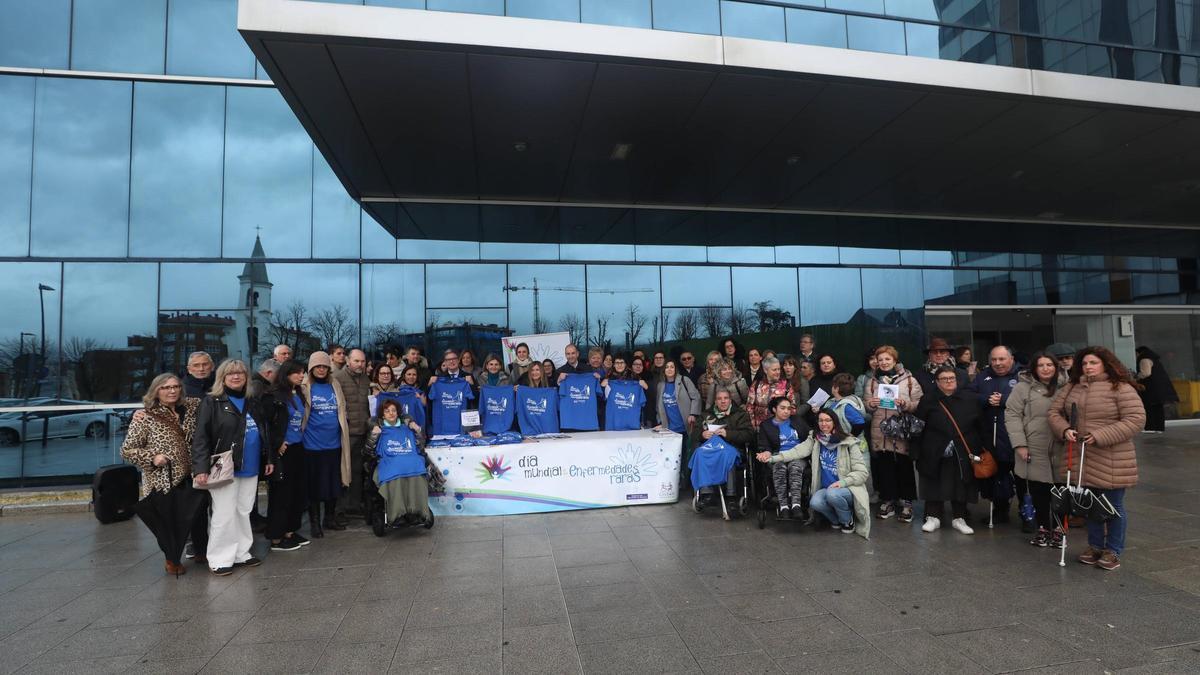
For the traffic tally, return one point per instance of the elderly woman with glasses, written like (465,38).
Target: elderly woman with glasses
(947,448)
(159,443)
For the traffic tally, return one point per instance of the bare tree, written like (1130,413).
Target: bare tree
(335,326)
(656,330)
(431,321)
(741,319)
(574,325)
(713,318)
(290,326)
(686,324)
(600,338)
(635,321)
(75,349)
(386,335)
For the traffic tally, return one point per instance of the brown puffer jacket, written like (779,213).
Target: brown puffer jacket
(1113,417)
(910,391)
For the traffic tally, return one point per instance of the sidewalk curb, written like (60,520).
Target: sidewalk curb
(14,510)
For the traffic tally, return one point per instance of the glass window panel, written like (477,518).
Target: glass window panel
(914,9)
(377,242)
(635,13)
(468,6)
(20,302)
(325,295)
(406,4)
(747,20)
(435,249)
(828,295)
(201,309)
(660,253)
(940,258)
(560,293)
(688,16)
(268,176)
(16,161)
(209,286)
(393,304)
(35,33)
(949,287)
(806,255)
(770,293)
(741,254)
(1157,289)
(334,213)
(503,251)
(558,10)
(1170,336)
(864,6)
(875,35)
(617,291)
(923,40)
(81,168)
(894,310)
(695,286)
(868,256)
(178,147)
(110,313)
(600,252)
(121,36)
(202,39)
(459,329)
(824,29)
(465,286)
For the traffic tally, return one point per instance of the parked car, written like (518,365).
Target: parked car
(18,426)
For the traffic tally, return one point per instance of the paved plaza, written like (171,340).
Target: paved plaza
(636,590)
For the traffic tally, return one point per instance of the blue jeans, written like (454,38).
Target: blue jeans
(1115,539)
(836,504)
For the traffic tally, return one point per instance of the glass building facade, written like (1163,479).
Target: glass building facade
(157,196)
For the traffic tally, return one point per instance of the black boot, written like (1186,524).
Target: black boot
(314,522)
(331,522)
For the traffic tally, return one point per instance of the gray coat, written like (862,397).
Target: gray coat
(685,393)
(1026,418)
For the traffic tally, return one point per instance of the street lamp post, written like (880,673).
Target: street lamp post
(42,288)
(28,365)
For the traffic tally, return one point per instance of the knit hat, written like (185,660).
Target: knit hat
(319,359)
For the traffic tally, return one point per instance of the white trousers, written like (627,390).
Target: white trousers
(229,533)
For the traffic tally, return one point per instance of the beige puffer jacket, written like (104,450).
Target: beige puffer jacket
(1026,417)
(1113,417)
(910,391)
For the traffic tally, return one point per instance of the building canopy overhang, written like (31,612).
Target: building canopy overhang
(564,129)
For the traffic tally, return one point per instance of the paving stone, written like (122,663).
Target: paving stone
(619,624)
(317,626)
(474,664)
(537,571)
(849,661)
(365,657)
(917,651)
(548,649)
(651,654)
(988,647)
(750,663)
(803,635)
(534,605)
(712,631)
(275,657)
(432,644)
(597,575)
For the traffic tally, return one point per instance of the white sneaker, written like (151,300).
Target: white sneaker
(931,524)
(962,526)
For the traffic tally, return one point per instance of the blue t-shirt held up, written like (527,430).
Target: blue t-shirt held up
(448,398)
(497,408)
(623,409)
(251,442)
(577,402)
(294,433)
(323,431)
(399,456)
(671,405)
(411,405)
(537,410)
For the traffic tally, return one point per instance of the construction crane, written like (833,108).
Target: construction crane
(537,314)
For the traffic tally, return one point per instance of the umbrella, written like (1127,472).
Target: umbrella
(169,515)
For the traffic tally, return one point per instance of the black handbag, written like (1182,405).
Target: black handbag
(903,426)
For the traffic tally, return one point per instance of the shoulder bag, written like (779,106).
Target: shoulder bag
(984,464)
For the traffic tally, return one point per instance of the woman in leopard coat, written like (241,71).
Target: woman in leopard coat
(159,443)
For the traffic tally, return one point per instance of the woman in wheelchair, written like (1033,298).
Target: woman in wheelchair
(731,423)
(395,457)
(781,432)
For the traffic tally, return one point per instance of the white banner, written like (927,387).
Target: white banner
(586,471)
(541,347)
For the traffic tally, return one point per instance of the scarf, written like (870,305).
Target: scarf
(718,415)
(931,367)
(523,363)
(823,439)
(886,376)
(492,378)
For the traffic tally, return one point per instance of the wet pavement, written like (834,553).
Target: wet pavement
(631,590)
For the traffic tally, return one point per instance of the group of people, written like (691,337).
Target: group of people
(827,435)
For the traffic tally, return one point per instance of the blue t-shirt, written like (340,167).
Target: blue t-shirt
(829,457)
(295,433)
(623,409)
(671,405)
(537,410)
(449,399)
(323,431)
(251,443)
(497,407)
(788,438)
(399,456)
(577,402)
(712,461)
(410,404)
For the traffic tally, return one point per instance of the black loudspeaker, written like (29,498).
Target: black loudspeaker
(115,492)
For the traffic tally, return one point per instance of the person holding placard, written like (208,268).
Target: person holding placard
(892,391)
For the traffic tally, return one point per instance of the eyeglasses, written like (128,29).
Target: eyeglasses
(170,387)
(947,379)
(687,358)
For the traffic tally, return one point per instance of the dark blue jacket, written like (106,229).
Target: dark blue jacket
(987,383)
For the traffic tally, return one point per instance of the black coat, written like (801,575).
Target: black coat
(768,433)
(925,379)
(939,431)
(221,428)
(194,387)
(1158,387)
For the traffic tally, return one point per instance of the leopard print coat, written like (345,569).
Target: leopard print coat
(156,431)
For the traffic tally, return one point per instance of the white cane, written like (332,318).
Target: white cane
(1066,526)
(992,501)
